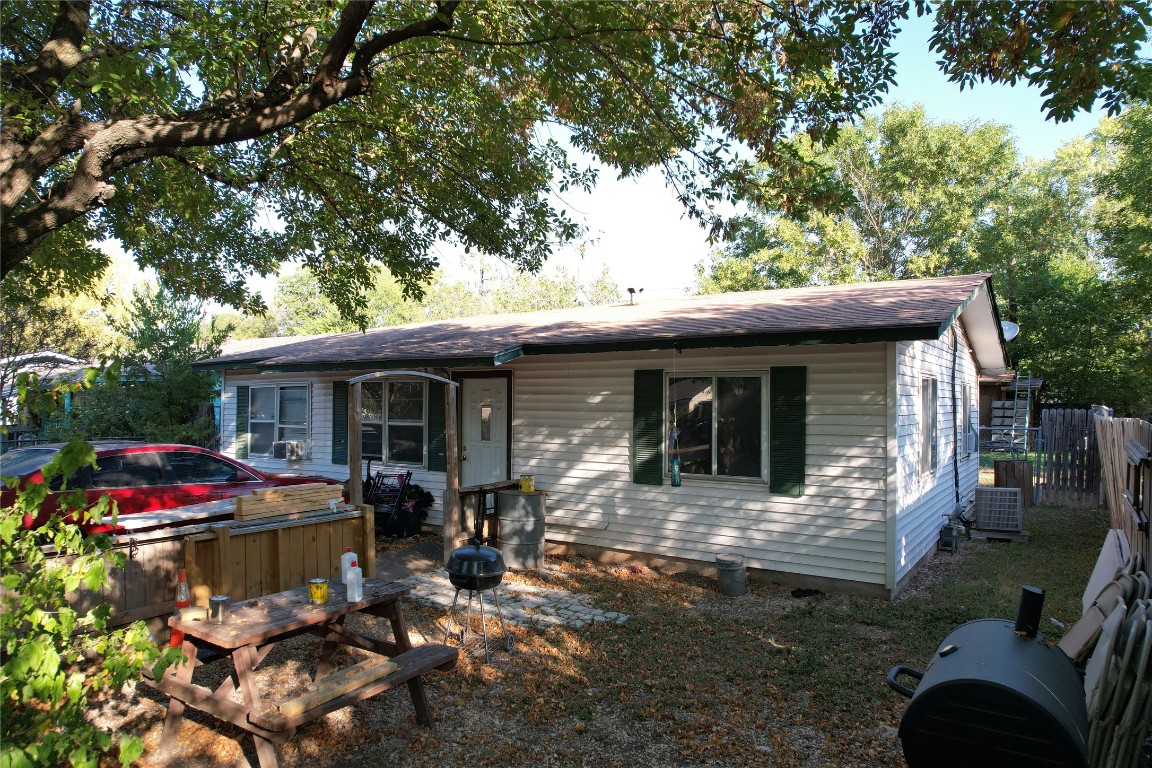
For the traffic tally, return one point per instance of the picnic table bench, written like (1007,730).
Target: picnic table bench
(255,626)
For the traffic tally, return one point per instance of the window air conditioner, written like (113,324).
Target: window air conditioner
(292,450)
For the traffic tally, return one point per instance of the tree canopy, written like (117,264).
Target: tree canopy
(160,397)
(912,198)
(298,310)
(1066,239)
(375,131)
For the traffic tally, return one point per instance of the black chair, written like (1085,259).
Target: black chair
(386,495)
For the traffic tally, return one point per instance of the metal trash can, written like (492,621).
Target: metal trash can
(522,518)
(731,575)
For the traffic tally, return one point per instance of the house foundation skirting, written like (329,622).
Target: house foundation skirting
(703,568)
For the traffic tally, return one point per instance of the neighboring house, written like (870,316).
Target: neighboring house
(50,367)
(1008,400)
(824,433)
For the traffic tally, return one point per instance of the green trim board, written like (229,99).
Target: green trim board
(648,427)
(339,422)
(505,356)
(242,422)
(787,431)
(736,340)
(437,444)
(378,365)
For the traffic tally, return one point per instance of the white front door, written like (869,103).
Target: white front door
(484,430)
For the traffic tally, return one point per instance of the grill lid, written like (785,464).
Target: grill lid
(475,566)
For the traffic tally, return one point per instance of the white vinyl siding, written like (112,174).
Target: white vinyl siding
(923,500)
(572,426)
(867,514)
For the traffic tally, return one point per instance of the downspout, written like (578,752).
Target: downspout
(955,427)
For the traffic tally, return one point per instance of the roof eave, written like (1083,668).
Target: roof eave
(981,321)
(780,339)
(377,365)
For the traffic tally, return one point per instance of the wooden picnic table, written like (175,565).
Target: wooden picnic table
(255,626)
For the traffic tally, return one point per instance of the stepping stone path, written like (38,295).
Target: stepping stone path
(523,604)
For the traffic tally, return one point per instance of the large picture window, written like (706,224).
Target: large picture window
(276,413)
(392,421)
(718,424)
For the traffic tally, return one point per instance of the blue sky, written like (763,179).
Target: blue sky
(637,228)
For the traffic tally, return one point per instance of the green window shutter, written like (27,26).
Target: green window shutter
(786,430)
(437,448)
(648,428)
(339,422)
(241,422)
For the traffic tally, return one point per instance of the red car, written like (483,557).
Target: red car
(143,477)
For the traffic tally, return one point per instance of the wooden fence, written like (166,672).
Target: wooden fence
(1126,460)
(239,559)
(1069,460)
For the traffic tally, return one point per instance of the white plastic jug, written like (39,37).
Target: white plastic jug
(355,583)
(347,560)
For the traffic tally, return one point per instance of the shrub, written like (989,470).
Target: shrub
(56,657)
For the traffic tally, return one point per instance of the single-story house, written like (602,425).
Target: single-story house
(51,367)
(823,433)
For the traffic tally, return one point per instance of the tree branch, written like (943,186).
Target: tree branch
(59,55)
(233,182)
(441,22)
(110,147)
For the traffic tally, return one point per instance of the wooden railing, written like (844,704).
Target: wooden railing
(1126,461)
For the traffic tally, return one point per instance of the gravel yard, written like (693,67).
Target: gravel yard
(690,678)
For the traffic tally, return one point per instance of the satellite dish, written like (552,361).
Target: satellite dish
(1010,329)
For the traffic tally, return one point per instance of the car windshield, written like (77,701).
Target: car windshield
(20,461)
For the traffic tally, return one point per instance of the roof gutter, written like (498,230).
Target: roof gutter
(359,365)
(789,339)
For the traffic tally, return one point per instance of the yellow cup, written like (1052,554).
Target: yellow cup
(318,591)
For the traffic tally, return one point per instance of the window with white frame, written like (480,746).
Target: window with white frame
(969,442)
(392,421)
(278,412)
(718,424)
(929,451)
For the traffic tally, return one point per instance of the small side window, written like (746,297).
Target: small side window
(200,468)
(132,470)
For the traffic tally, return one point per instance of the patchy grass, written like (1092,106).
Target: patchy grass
(765,679)
(694,678)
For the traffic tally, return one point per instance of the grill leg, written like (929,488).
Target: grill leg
(484,628)
(509,640)
(451,613)
(467,618)
(466,624)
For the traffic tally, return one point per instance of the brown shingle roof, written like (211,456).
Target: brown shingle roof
(887,311)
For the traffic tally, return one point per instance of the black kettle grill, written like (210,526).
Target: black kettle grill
(476,568)
(995,696)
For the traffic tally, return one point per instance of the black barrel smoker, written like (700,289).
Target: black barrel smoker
(995,696)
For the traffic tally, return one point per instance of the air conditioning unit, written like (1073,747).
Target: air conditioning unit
(999,509)
(292,450)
